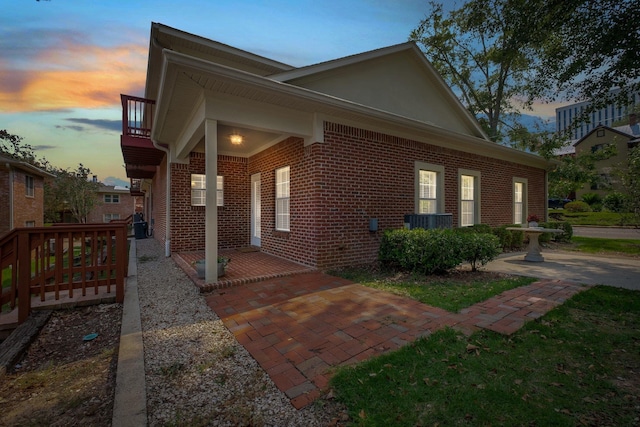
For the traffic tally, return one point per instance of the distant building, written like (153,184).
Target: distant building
(624,138)
(113,203)
(605,116)
(21,194)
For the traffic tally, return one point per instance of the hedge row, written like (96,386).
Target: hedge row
(440,250)
(436,251)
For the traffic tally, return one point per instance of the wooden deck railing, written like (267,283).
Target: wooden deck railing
(61,260)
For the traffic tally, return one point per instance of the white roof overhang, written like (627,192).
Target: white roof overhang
(185,81)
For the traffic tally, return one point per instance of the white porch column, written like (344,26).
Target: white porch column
(211,214)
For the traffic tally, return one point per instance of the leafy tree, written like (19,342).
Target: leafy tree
(12,146)
(73,191)
(590,48)
(575,172)
(485,51)
(629,177)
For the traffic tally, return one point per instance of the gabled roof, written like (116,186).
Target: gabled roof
(626,131)
(396,85)
(183,81)
(620,130)
(27,167)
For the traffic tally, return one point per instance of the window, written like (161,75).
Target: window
(199,190)
(282,199)
(429,184)
(112,198)
(519,200)
(30,224)
(110,217)
(469,197)
(29,186)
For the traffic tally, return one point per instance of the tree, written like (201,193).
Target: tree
(71,191)
(484,51)
(590,49)
(629,177)
(12,146)
(574,172)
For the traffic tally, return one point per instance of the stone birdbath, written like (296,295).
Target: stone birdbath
(534,254)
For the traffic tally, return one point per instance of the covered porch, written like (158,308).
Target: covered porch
(247,265)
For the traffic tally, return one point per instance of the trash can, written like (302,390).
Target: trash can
(140,229)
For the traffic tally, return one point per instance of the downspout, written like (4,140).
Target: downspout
(11,178)
(167,236)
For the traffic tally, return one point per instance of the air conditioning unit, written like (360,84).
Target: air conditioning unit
(428,221)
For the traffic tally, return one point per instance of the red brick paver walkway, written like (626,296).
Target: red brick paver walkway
(300,326)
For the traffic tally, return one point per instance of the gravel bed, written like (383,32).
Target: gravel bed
(196,371)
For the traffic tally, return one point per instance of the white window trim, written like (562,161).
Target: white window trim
(476,196)
(30,190)
(111,200)
(439,170)
(284,199)
(110,217)
(525,197)
(203,190)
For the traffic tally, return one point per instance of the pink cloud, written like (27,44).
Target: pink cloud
(73,75)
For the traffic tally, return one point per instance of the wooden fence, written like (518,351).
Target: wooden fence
(61,260)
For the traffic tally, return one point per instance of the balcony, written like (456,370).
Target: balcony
(140,155)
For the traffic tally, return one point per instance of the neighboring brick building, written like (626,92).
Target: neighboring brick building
(21,194)
(311,163)
(113,203)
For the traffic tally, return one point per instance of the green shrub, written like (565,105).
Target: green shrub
(517,237)
(596,207)
(591,199)
(577,206)
(616,202)
(481,228)
(479,248)
(436,251)
(424,251)
(504,236)
(565,236)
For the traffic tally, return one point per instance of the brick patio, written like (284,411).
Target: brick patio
(298,327)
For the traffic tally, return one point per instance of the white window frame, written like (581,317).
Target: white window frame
(283,196)
(520,207)
(438,186)
(108,217)
(464,199)
(112,198)
(199,190)
(30,186)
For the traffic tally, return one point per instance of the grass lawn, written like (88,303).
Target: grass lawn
(577,365)
(591,218)
(595,245)
(451,292)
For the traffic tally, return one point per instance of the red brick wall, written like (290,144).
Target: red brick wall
(124,207)
(26,209)
(336,188)
(361,175)
(300,243)
(187,228)
(5,215)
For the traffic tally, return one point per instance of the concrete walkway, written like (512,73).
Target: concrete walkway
(573,267)
(301,326)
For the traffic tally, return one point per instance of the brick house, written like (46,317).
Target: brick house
(311,163)
(113,203)
(21,194)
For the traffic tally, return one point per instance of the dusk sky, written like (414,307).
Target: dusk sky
(64,63)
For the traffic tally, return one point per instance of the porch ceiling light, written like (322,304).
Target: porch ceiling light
(236,139)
